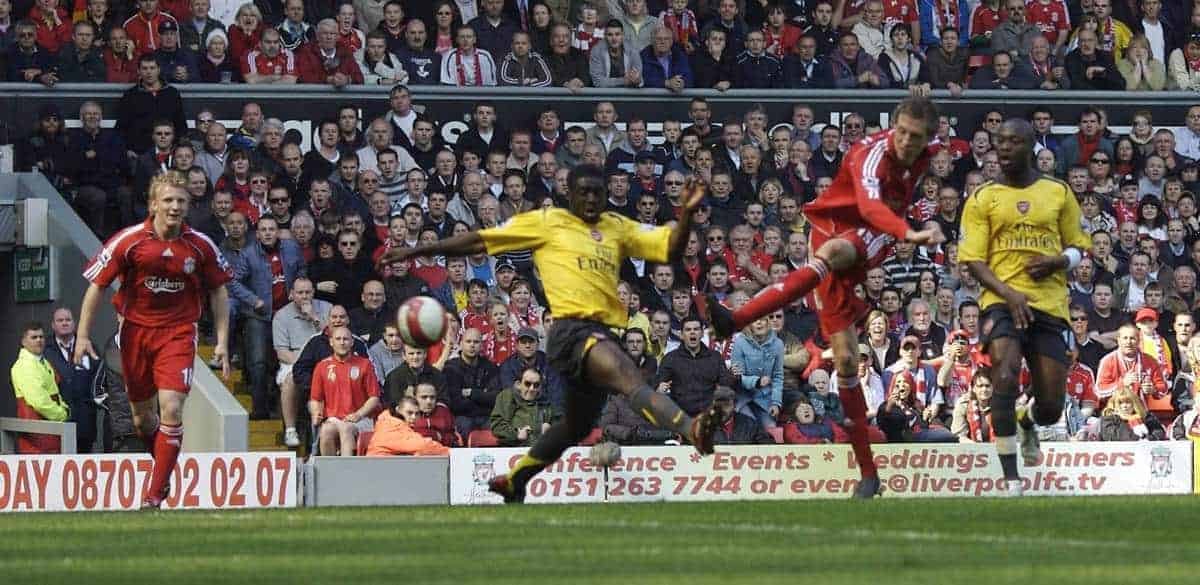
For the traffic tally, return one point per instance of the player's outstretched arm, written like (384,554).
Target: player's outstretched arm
(218,299)
(694,193)
(460,245)
(87,311)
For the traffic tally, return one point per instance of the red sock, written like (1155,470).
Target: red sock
(856,410)
(167,442)
(772,298)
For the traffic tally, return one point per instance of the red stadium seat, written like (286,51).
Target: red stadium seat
(364,440)
(977,61)
(777,434)
(482,438)
(1161,408)
(592,438)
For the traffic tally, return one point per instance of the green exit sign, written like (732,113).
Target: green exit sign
(32,270)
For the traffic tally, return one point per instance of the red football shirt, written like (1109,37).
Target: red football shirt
(1081,384)
(899,11)
(1051,18)
(163,282)
(256,62)
(344,385)
(871,188)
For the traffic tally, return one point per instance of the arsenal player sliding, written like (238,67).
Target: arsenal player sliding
(165,268)
(853,222)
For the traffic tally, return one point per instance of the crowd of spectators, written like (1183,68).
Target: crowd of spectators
(305,230)
(1147,45)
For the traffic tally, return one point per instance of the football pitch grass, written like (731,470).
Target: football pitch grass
(968,541)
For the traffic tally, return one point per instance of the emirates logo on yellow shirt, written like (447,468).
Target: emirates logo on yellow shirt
(1023,207)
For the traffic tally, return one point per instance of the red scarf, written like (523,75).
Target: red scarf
(462,72)
(683,25)
(980,422)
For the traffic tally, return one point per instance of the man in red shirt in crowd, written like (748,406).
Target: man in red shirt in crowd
(270,62)
(1081,386)
(324,61)
(854,222)
(1127,367)
(433,419)
(1051,17)
(165,268)
(142,27)
(345,395)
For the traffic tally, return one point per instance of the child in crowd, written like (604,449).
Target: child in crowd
(588,33)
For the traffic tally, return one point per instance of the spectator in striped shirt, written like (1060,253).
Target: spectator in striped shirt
(905,266)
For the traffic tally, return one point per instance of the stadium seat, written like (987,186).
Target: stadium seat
(592,438)
(482,438)
(1161,408)
(364,440)
(777,434)
(977,61)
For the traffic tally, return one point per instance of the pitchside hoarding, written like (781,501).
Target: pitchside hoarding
(67,483)
(779,472)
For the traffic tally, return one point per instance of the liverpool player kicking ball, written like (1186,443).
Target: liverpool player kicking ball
(165,269)
(853,222)
(579,253)
(1021,235)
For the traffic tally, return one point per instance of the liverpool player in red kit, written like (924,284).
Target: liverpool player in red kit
(165,269)
(853,223)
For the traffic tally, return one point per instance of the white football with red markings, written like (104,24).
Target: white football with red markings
(422,321)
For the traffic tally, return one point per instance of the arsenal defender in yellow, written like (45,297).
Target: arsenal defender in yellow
(1021,234)
(578,252)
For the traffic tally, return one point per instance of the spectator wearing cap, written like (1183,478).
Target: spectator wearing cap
(664,64)
(217,64)
(1183,66)
(178,64)
(1151,342)
(733,427)
(143,26)
(526,356)
(46,149)
(324,62)
(923,375)
(80,61)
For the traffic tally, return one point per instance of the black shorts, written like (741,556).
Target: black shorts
(568,343)
(1047,335)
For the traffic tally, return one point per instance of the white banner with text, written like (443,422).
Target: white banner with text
(828,471)
(119,481)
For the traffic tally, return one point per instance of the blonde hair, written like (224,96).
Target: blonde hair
(1125,394)
(161,183)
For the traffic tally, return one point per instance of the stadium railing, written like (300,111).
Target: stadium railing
(300,104)
(11,427)
(214,419)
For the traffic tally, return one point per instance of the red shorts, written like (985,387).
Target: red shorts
(838,308)
(157,358)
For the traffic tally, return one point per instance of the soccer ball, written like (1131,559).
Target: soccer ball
(422,321)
